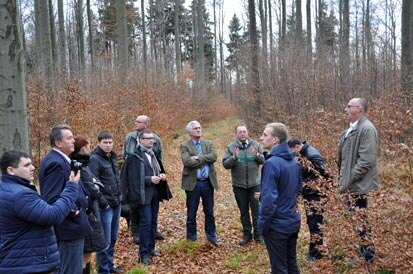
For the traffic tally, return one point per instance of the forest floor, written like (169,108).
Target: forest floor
(180,256)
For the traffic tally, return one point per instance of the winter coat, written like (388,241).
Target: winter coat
(106,169)
(358,159)
(244,169)
(27,239)
(280,185)
(136,185)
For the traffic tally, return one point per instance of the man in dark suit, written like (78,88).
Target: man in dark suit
(143,185)
(199,179)
(53,175)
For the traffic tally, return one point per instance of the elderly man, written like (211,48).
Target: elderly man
(142,122)
(279,221)
(244,156)
(199,179)
(358,168)
(28,242)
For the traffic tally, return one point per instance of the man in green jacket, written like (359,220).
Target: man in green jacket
(243,156)
(358,168)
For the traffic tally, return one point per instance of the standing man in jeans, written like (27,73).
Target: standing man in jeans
(358,169)
(103,164)
(279,220)
(142,122)
(243,156)
(53,175)
(199,180)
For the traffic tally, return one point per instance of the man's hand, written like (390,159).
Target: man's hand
(236,152)
(74,178)
(257,195)
(255,151)
(162,176)
(155,179)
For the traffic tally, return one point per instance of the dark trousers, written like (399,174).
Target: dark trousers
(358,205)
(205,191)
(246,202)
(282,252)
(148,215)
(314,216)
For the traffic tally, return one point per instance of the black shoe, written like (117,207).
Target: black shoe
(117,270)
(215,243)
(367,252)
(136,239)
(159,236)
(146,260)
(154,253)
(244,241)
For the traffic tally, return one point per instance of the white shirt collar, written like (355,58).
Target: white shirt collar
(64,155)
(354,124)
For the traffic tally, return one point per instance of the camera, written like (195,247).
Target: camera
(76,165)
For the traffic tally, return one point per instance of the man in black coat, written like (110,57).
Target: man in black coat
(143,186)
(312,169)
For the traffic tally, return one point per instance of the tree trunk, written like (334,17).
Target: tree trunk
(309,33)
(90,27)
(13,111)
(62,38)
(406,58)
(52,33)
(122,40)
(345,48)
(144,43)
(80,36)
(178,58)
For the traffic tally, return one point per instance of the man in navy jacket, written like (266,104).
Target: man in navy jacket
(54,172)
(27,240)
(279,221)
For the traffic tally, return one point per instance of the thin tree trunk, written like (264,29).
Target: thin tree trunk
(80,36)
(62,38)
(90,27)
(144,43)
(122,40)
(406,58)
(178,58)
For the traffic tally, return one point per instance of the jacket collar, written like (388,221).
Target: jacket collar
(6,178)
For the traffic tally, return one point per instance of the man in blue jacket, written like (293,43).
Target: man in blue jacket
(27,240)
(53,175)
(279,221)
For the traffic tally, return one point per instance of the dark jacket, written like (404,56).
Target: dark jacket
(106,169)
(53,175)
(27,240)
(132,142)
(244,169)
(312,172)
(137,187)
(280,185)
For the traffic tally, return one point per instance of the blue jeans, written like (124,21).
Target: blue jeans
(282,250)
(205,191)
(71,256)
(148,215)
(110,223)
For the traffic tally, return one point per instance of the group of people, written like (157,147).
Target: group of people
(78,213)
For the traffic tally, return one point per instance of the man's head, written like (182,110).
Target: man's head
(105,141)
(241,132)
(146,138)
(194,130)
(142,122)
(355,109)
(17,163)
(61,138)
(273,134)
(295,144)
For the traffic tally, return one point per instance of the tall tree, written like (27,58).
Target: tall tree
(406,58)
(80,37)
(91,35)
(309,32)
(13,112)
(62,37)
(234,47)
(46,46)
(345,47)
(122,39)
(178,59)
(144,43)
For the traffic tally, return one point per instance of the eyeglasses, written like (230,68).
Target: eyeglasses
(351,106)
(147,138)
(140,122)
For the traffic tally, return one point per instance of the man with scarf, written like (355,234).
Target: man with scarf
(143,186)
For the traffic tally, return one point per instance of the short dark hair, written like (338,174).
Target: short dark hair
(56,134)
(278,130)
(292,142)
(240,125)
(143,132)
(11,158)
(104,135)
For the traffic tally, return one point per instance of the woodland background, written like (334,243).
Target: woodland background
(95,65)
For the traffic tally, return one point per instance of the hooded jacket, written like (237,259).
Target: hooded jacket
(27,239)
(280,185)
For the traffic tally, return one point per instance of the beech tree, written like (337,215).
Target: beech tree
(13,111)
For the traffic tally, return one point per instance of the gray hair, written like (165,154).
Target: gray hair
(278,130)
(56,134)
(190,125)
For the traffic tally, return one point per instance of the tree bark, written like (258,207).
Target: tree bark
(406,58)
(14,132)
(62,38)
(91,46)
(122,40)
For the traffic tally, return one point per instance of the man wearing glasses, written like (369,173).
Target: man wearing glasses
(142,122)
(358,169)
